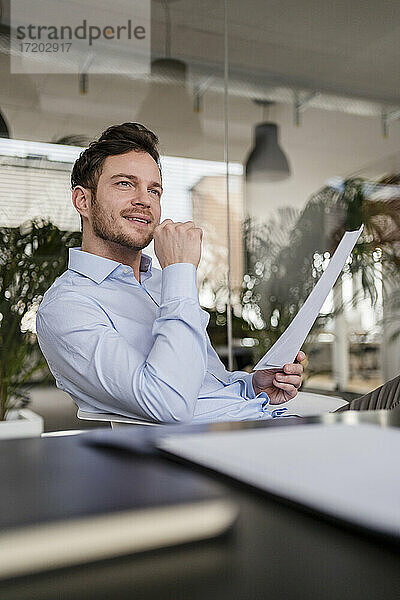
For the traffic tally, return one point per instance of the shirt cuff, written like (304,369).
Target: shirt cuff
(263,397)
(248,386)
(178,281)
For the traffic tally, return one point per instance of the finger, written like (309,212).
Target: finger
(199,231)
(292,379)
(300,356)
(286,387)
(192,228)
(164,223)
(293,369)
(185,226)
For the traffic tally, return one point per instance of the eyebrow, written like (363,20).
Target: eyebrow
(134,178)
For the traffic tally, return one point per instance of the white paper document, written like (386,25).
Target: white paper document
(346,472)
(288,345)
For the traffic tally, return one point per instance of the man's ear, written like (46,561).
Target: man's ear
(81,199)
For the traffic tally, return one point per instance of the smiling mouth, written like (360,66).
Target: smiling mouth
(138,220)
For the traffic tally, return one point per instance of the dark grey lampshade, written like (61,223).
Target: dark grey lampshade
(169,103)
(169,67)
(267,160)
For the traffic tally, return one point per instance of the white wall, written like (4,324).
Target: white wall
(326,144)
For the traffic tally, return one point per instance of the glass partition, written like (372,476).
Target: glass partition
(314,121)
(307,116)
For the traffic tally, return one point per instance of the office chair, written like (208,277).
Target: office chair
(113,419)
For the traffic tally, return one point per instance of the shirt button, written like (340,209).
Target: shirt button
(126,271)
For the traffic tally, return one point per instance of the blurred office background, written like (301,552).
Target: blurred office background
(295,105)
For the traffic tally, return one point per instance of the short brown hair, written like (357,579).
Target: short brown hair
(117,139)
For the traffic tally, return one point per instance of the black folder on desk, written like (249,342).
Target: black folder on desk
(65,503)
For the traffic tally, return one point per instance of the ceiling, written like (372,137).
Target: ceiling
(345,53)
(343,47)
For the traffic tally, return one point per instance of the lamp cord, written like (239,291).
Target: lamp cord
(167,29)
(226,158)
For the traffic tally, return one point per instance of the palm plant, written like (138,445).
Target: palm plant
(361,201)
(283,267)
(287,255)
(31,257)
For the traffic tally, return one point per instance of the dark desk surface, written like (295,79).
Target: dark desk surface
(275,551)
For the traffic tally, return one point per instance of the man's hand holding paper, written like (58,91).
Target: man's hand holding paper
(280,386)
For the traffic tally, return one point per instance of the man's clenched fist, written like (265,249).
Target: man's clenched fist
(177,243)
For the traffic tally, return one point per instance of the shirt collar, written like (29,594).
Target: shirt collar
(97,267)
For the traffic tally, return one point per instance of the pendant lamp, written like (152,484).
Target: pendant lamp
(267,161)
(4,131)
(169,102)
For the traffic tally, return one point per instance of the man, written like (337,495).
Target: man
(122,337)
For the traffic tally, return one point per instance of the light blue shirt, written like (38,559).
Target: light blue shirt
(139,349)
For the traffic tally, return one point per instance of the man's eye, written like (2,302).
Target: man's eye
(124,183)
(156,192)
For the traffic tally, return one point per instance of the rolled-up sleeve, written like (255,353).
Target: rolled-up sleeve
(92,361)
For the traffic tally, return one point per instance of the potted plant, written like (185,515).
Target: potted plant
(31,257)
(286,255)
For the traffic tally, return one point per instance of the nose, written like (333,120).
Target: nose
(141,197)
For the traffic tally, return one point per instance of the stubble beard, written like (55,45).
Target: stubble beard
(103,228)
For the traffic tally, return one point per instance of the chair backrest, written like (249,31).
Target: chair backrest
(113,419)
